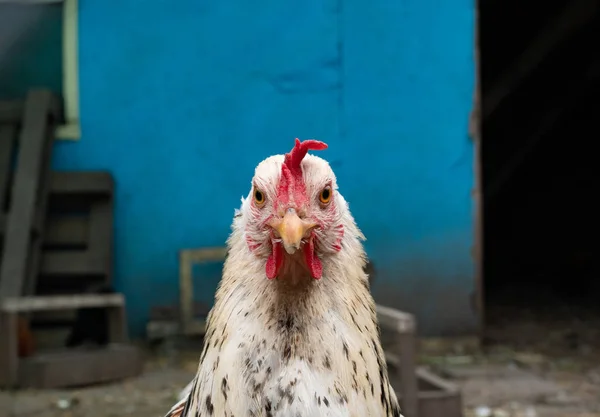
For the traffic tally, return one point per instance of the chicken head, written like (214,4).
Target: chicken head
(294,211)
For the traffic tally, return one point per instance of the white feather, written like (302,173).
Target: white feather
(329,363)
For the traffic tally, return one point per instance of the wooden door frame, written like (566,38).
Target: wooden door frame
(475,134)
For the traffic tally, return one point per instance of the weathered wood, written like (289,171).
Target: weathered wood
(88,236)
(187,257)
(66,231)
(398,338)
(35,249)
(41,107)
(11,111)
(48,371)
(8,135)
(41,371)
(8,350)
(395,321)
(8,140)
(436,396)
(53,318)
(64,302)
(117,325)
(66,187)
(101,235)
(74,191)
(73,263)
(97,183)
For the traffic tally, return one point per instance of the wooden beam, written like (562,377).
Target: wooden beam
(394,320)
(8,141)
(88,182)
(188,257)
(61,302)
(73,263)
(35,144)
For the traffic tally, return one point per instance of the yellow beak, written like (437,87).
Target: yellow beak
(292,229)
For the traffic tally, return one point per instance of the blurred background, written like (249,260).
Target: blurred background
(461,134)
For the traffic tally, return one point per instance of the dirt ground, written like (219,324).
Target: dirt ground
(150,394)
(553,374)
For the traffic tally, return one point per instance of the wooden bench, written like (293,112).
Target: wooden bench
(64,368)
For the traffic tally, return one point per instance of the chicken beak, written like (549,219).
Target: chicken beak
(292,229)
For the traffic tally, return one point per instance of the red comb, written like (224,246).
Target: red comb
(291,186)
(297,154)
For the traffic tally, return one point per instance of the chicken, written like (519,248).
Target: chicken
(293,331)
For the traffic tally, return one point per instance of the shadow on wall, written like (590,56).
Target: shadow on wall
(30,48)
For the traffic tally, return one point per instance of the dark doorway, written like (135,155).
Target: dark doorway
(540,128)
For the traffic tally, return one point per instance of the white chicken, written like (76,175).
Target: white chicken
(293,331)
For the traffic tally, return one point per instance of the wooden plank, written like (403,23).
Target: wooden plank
(82,186)
(54,317)
(398,338)
(13,272)
(117,325)
(61,302)
(69,231)
(73,191)
(187,257)
(395,320)
(8,135)
(50,338)
(35,249)
(9,360)
(97,183)
(47,371)
(11,111)
(73,263)
(101,235)
(475,129)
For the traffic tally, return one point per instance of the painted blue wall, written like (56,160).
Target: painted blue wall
(181,100)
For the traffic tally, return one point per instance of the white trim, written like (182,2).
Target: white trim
(71,130)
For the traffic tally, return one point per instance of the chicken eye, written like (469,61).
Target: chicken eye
(259,197)
(325,196)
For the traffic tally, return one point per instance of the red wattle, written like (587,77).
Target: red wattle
(312,261)
(275,261)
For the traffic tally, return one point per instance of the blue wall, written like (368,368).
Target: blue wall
(180,100)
